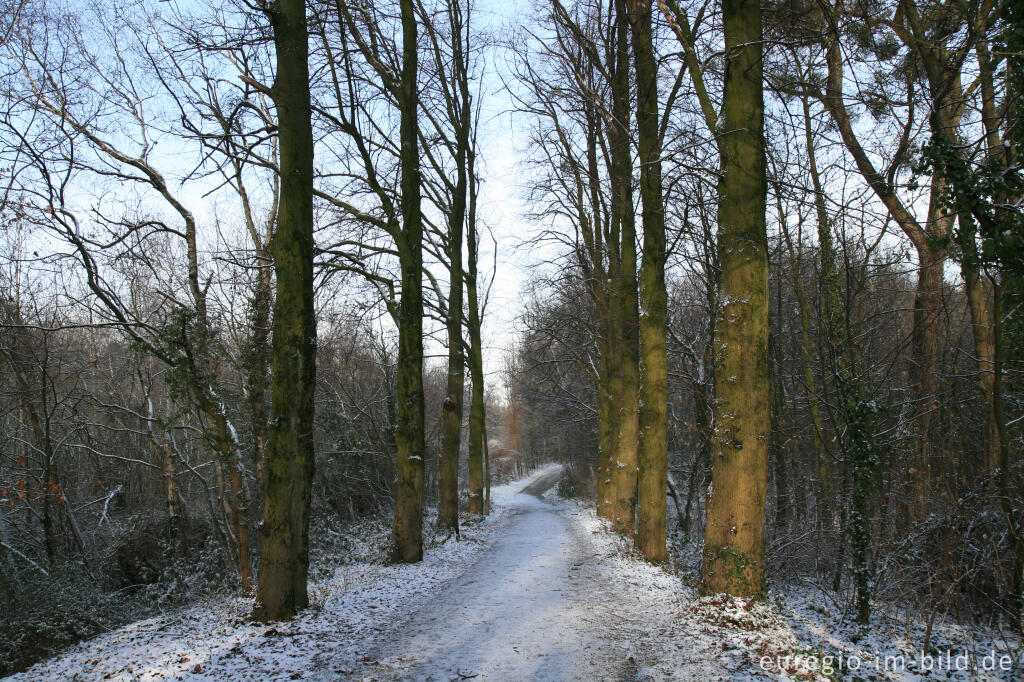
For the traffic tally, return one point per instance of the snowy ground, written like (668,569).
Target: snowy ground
(540,590)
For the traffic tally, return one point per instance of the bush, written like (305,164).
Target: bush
(566,487)
(41,615)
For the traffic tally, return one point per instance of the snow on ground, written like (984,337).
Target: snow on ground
(892,648)
(215,640)
(540,590)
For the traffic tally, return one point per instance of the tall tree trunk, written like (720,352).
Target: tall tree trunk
(653,395)
(782,408)
(600,235)
(926,350)
(979,301)
(461,116)
(451,435)
(831,300)
(240,519)
(475,502)
(487,477)
(625,304)
(407,531)
(451,413)
(49,520)
(979,289)
(288,467)
(477,408)
(735,532)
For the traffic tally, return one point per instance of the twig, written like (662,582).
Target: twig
(17,553)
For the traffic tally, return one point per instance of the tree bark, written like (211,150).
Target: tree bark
(477,408)
(259,354)
(652,456)
(979,289)
(625,307)
(410,446)
(288,467)
(460,114)
(175,514)
(735,532)
(606,423)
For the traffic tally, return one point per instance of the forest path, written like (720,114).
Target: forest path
(543,602)
(539,590)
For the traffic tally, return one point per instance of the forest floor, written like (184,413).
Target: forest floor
(540,590)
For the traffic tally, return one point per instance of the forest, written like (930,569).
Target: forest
(290,286)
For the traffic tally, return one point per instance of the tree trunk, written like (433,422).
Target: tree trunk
(625,304)
(407,531)
(49,521)
(259,355)
(979,290)
(979,300)
(240,520)
(831,299)
(735,532)
(451,414)
(606,426)
(475,503)
(927,334)
(487,477)
(653,395)
(461,116)
(477,415)
(175,515)
(288,466)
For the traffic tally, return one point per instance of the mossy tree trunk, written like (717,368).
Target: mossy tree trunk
(477,408)
(606,430)
(735,530)
(625,304)
(410,446)
(459,105)
(652,480)
(288,465)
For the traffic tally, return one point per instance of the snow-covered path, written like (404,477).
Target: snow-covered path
(538,591)
(531,607)
(550,598)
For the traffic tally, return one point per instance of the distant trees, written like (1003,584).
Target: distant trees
(376,88)
(574,81)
